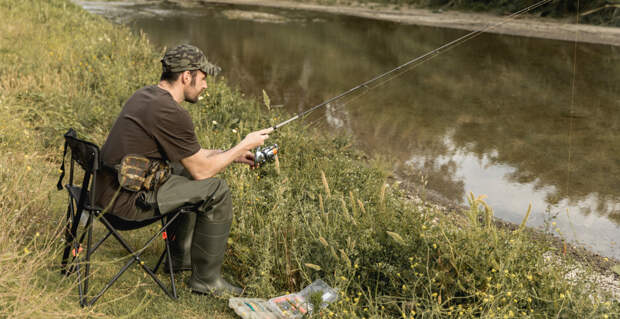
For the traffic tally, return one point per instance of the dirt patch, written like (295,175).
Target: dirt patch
(527,26)
(254,16)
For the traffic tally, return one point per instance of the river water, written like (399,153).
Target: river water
(517,119)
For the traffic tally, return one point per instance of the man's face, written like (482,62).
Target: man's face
(195,86)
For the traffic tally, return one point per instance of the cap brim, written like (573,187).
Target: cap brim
(211,69)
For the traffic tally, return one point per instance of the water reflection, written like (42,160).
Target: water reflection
(496,115)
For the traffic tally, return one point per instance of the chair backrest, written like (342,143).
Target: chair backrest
(86,154)
(83,152)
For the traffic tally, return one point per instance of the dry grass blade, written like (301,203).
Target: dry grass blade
(323,241)
(527,216)
(399,239)
(324,180)
(313,266)
(361,205)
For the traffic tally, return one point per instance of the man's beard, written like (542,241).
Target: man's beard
(195,98)
(192,100)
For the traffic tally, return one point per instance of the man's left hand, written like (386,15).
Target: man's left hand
(247,158)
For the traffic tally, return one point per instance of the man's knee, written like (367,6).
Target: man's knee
(222,192)
(220,205)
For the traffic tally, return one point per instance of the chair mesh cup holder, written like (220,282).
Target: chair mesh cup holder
(80,219)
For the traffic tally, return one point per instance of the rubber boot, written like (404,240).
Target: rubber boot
(208,250)
(180,234)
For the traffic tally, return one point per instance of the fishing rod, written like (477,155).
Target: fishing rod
(268,153)
(422,58)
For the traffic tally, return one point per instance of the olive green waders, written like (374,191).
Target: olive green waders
(203,245)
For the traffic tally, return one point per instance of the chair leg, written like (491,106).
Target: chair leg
(167,252)
(89,226)
(109,284)
(68,238)
(136,258)
(83,277)
(72,249)
(92,251)
(80,286)
(159,261)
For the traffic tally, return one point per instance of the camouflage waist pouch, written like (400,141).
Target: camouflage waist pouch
(136,173)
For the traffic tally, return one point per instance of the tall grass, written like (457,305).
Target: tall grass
(325,212)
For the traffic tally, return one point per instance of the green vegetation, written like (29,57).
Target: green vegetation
(322,212)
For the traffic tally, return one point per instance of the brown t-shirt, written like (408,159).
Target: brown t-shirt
(151,124)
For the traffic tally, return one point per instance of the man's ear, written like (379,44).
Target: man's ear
(186,77)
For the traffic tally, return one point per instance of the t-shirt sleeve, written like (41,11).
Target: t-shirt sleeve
(174,132)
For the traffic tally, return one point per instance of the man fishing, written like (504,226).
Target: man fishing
(153,124)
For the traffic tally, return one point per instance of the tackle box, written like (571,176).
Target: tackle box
(290,306)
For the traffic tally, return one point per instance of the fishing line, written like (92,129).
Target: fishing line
(409,65)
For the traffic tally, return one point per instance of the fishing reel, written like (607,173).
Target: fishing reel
(265,154)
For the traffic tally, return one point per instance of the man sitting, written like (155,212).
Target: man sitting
(154,125)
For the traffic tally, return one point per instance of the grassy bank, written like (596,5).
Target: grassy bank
(325,212)
(597,12)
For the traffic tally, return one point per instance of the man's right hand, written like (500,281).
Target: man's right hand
(256,139)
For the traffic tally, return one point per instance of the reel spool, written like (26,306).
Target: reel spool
(265,154)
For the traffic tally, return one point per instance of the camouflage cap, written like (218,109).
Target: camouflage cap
(187,57)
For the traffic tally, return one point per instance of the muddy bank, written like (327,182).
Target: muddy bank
(525,26)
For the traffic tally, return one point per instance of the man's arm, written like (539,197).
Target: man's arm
(207,163)
(208,153)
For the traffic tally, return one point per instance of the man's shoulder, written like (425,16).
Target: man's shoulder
(151,100)
(152,93)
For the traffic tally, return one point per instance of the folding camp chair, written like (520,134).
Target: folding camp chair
(81,207)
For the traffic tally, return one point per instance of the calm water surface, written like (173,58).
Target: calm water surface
(493,116)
